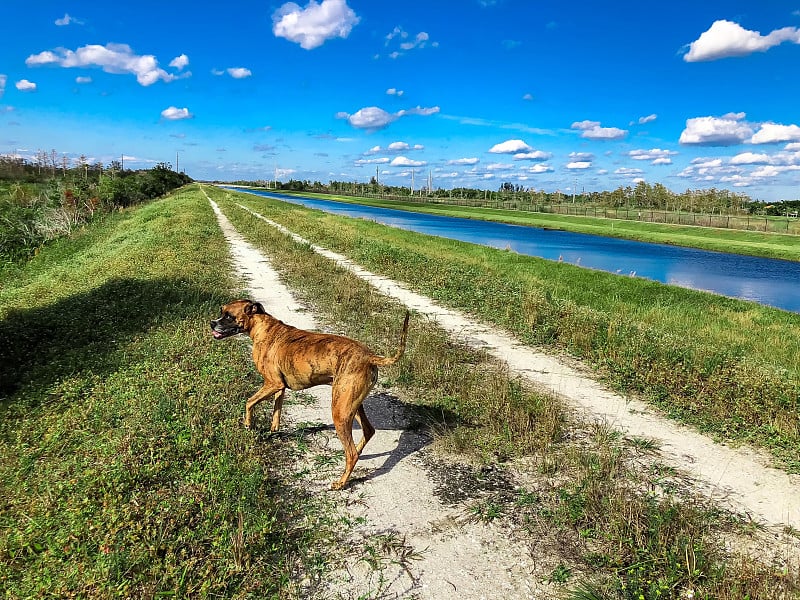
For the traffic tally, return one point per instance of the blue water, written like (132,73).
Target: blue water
(763,280)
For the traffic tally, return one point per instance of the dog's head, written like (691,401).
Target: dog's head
(235,318)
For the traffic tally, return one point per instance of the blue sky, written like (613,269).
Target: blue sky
(545,94)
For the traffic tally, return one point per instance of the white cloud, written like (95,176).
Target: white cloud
(540,168)
(68,20)
(112,58)
(23,85)
(647,119)
(421,40)
(657,156)
(593,131)
(749,158)
(533,155)
(403,147)
(628,171)
(179,62)
(510,147)
(726,39)
(394,92)
(528,97)
(315,24)
(239,72)
(371,161)
(3,80)
(463,161)
(793,146)
(419,111)
(500,167)
(770,133)
(176,114)
(727,130)
(80,79)
(582,164)
(402,161)
(373,118)
(370,117)
(581,156)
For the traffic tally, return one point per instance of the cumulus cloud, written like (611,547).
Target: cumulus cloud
(239,72)
(315,24)
(726,39)
(581,164)
(540,168)
(81,79)
(727,130)
(771,133)
(112,58)
(23,85)
(68,20)
(373,118)
(647,119)
(533,155)
(371,161)
(394,92)
(656,156)
(464,161)
(628,171)
(510,147)
(581,156)
(402,161)
(750,158)
(176,114)
(406,43)
(179,62)
(593,131)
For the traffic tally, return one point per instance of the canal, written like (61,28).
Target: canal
(767,281)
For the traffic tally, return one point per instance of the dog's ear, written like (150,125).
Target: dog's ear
(254,308)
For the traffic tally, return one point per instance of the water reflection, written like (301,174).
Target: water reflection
(767,281)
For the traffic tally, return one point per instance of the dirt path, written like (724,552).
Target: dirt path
(429,547)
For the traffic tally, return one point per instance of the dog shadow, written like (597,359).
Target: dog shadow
(387,412)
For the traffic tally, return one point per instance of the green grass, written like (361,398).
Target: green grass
(613,528)
(124,471)
(731,368)
(769,245)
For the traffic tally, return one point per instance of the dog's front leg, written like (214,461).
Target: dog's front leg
(267,391)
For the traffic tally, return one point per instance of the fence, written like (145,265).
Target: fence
(746,222)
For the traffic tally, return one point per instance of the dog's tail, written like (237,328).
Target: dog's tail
(384,361)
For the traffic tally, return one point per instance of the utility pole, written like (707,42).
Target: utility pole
(177,164)
(412,182)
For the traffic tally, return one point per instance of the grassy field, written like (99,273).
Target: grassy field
(769,245)
(125,472)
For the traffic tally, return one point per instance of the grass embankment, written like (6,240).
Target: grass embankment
(618,525)
(124,470)
(753,243)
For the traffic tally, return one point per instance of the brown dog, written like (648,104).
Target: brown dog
(292,358)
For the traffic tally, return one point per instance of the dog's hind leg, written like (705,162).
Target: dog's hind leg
(276,410)
(347,394)
(266,391)
(367,429)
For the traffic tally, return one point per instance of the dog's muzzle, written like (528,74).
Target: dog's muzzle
(225,327)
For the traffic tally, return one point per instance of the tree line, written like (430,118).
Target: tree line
(49,196)
(641,196)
